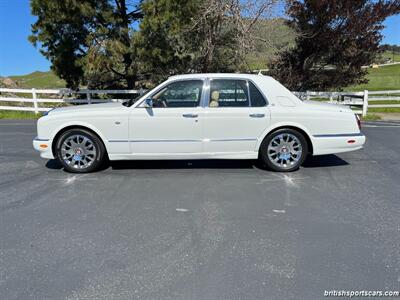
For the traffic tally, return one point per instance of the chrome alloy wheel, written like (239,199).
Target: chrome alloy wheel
(78,151)
(285,150)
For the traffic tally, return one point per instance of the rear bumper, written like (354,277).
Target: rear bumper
(337,143)
(44,147)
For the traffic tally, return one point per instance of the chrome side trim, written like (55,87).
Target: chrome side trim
(118,141)
(230,140)
(40,140)
(163,141)
(151,141)
(337,135)
(177,141)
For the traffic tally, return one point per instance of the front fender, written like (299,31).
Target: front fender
(77,124)
(82,124)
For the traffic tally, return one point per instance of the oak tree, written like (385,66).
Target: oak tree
(201,36)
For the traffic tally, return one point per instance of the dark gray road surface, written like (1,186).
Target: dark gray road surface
(199,230)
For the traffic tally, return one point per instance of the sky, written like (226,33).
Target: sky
(18,56)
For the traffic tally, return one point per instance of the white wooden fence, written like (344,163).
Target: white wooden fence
(61,96)
(358,100)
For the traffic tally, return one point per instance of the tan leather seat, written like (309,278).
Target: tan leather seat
(214,99)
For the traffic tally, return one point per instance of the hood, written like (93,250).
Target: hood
(317,105)
(87,108)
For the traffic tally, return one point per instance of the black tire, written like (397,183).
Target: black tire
(96,160)
(290,165)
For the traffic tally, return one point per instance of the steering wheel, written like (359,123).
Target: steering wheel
(160,102)
(163,101)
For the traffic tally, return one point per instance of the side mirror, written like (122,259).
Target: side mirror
(148,103)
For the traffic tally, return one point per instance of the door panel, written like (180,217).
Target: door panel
(233,129)
(166,130)
(231,124)
(173,124)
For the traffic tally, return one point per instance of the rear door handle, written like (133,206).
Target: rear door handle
(257,115)
(189,115)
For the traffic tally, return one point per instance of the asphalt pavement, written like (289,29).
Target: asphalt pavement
(199,229)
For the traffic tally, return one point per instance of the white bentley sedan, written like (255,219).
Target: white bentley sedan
(200,116)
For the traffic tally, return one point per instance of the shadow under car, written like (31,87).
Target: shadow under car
(329,160)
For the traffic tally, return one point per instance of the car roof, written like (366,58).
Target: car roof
(218,75)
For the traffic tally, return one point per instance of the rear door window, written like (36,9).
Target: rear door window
(229,93)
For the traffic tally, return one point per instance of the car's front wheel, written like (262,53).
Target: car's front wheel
(284,150)
(80,151)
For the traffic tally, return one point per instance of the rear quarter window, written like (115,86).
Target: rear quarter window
(256,98)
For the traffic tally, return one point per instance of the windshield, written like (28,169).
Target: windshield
(131,101)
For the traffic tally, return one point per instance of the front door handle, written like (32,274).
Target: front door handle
(189,115)
(257,115)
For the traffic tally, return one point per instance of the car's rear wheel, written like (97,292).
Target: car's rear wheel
(80,151)
(284,150)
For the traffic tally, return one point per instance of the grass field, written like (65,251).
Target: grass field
(384,102)
(384,109)
(371,117)
(11,114)
(380,79)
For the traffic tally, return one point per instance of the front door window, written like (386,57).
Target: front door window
(179,94)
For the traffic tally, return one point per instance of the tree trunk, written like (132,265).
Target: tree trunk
(130,82)
(125,39)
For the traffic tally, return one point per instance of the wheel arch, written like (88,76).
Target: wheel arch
(61,130)
(296,127)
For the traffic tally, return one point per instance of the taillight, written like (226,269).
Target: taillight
(358,121)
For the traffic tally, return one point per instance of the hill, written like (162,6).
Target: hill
(279,36)
(380,79)
(37,79)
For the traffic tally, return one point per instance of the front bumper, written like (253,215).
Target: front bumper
(44,147)
(337,143)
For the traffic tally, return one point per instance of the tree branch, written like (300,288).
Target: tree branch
(116,72)
(136,14)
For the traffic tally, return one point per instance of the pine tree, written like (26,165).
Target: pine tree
(335,39)
(88,41)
